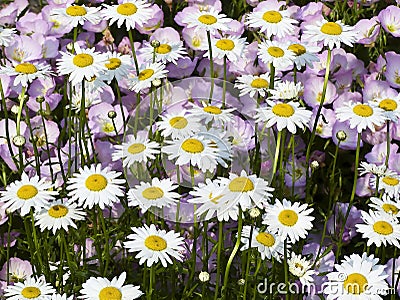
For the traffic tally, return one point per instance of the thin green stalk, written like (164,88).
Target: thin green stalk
(133,51)
(8,245)
(271,76)
(106,241)
(211,65)
(219,249)
(353,192)
(21,99)
(224,85)
(312,137)
(388,140)
(278,145)
(293,167)
(232,256)
(285,266)
(150,291)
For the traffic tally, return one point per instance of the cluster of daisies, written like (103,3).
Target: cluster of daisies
(95,133)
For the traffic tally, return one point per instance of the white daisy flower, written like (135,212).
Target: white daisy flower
(85,64)
(26,193)
(26,72)
(361,116)
(168,51)
(379,228)
(386,205)
(195,150)
(76,14)
(31,288)
(221,141)
(101,288)
(304,54)
(275,53)
(212,113)
(57,215)
(131,12)
(247,190)
(286,90)
(291,221)
(61,297)
(271,20)
(357,278)
(268,245)
(390,107)
(209,20)
(285,115)
(301,267)
(179,125)
(155,245)
(209,196)
(389,183)
(6,36)
(135,149)
(252,84)
(158,193)
(232,47)
(147,75)
(118,66)
(330,33)
(366,168)
(94,186)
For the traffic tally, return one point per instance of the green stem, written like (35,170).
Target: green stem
(278,145)
(285,266)
(219,249)
(21,104)
(388,140)
(232,256)
(353,192)
(224,85)
(211,65)
(271,76)
(133,51)
(308,153)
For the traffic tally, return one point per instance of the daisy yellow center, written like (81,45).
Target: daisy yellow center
(96,182)
(225,44)
(363,110)
(390,180)
(283,110)
(146,74)
(31,292)
(153,193)
(155,243)
(178,122)
(297,49)
(355,283)
(383,228)
(288,217)
(390,208)
(207,19)
(83,60)
(214,199)
(76,11)
(58,211)
(241,185)
(113,63)
(136,148)
(27,191)
(388,104)
(331,28)
(25,68)
(193,146)
(272,16)
(110,293)
(275,51)
(212,110)
(127,9)
(259,83)
(265,239)
(163,49)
